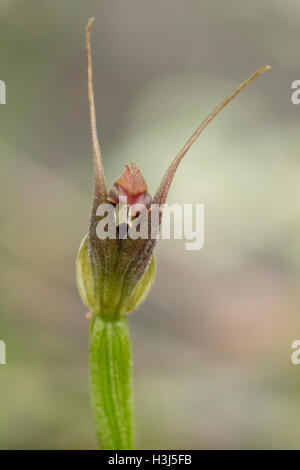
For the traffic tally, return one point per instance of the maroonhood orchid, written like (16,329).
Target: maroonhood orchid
(114,276)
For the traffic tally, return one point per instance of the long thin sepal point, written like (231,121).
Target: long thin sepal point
(163,190)
(100,185)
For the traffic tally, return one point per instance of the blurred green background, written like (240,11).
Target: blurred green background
(212,343)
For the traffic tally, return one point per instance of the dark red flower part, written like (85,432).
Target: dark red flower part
(132,185)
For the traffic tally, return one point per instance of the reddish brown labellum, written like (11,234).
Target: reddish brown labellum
(132,185)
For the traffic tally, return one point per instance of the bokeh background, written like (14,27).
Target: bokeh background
(212,343)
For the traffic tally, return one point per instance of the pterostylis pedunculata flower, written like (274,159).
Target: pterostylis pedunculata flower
(115,275)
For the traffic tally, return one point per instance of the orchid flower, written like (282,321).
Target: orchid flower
(114,277)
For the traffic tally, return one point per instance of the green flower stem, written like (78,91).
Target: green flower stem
(110,366)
